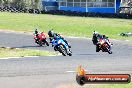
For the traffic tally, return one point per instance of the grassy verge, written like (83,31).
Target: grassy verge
(70,26)
(12,52)
(113,86)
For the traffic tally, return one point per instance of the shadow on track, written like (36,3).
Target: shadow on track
(85,54)
(28,46)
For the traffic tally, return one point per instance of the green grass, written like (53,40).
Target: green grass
(69,26)
(12,52)
(113,86)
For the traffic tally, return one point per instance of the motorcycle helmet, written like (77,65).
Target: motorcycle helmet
(50,33)
(95,33)
(36,31)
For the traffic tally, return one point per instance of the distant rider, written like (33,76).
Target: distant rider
(53,35)
(36,33)
(95,39)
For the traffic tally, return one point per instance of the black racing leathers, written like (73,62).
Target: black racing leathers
(96,42)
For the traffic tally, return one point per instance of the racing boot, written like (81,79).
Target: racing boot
(97,48)
(37,41)
(67,43)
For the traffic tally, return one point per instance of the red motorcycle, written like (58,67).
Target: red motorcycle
(105,45)
(41,39)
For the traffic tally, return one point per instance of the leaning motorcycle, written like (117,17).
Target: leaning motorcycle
(105,45)
(61,46)
(41,39)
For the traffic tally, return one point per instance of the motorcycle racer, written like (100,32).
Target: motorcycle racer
(95,39)
(36,33)
(61,46)
(40,38)
(52,35)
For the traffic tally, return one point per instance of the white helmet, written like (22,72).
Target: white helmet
(95,32)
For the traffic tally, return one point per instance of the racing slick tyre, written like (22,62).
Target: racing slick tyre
(70,54)
(109,51)
(62,50)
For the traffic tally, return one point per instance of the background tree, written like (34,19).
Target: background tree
(35,4)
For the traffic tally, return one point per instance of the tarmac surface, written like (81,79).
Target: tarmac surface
(59,71)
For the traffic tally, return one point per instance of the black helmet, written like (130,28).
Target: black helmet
(50,33)
(36,31)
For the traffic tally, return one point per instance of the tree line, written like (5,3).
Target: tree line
(34,4)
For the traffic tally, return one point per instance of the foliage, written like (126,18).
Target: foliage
(21,3)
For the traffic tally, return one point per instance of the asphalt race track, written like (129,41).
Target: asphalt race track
(59,71)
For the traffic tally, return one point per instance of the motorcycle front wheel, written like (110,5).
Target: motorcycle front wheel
(62,50)
(109,51)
